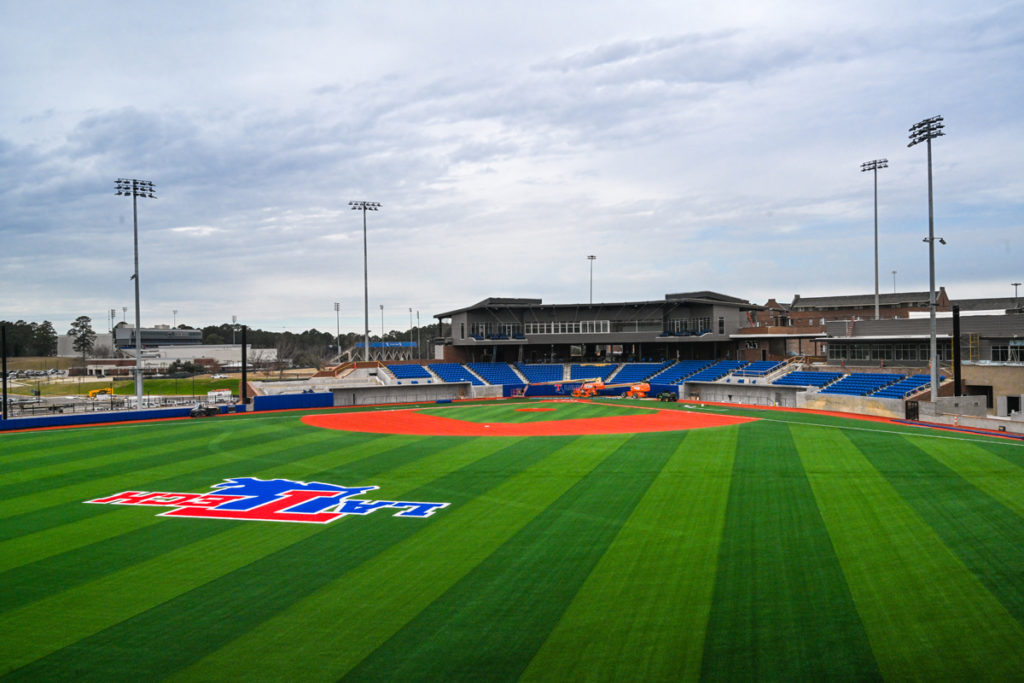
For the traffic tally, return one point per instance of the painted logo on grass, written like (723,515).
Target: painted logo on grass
(272,500)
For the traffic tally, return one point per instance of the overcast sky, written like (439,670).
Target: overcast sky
(687,145)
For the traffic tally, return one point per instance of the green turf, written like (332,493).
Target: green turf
(797,547)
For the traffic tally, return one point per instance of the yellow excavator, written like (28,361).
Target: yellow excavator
(93,393)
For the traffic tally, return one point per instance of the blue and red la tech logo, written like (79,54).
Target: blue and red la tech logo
(271,500)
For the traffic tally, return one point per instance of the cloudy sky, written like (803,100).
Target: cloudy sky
(688,145)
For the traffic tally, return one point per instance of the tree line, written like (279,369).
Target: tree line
(311,348)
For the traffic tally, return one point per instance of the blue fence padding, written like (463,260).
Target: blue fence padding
(293,401)
(91,418)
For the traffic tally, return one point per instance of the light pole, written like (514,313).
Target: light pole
(234,326)
(337,315)
(926,131)
(130,187)
(591,258)
(364,207)
(174,318)
(874,165)
(1016,301)
(419,353)
(382,323)
(894,282)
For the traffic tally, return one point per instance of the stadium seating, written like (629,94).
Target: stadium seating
(905,387)
(542,372)
(496,373)
(806,378)
(674,374)
(717,371)
(637,372)
(862,383)
(409,371)
(595,371)
(454,372)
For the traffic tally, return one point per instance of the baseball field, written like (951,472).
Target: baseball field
(512,540)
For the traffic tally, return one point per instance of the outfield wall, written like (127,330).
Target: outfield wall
(745,394)
(80,419)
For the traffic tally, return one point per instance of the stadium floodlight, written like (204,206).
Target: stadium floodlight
(894,282)
(337,315)
(591,258)
(131,187)
(925,131)
(364,207)
(874,165)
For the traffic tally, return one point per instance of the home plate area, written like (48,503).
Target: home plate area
(427,422)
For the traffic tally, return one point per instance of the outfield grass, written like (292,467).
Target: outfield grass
(797,547)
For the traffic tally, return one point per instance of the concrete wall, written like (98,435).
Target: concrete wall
(746,394)
(414,393)
(859,405)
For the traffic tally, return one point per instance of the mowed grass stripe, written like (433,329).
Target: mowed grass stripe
(998,477)
(169,461)
(189,476)
(192,623)
(333,629)
(781,607)
(489,624)
(128,535)
(642,613)
(985,534)
(39,449)
(350,459)
(927,616)
(81,462)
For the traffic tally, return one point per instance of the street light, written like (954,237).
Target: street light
(1016,301)
(874,166)
(337,314)
(131,187)
(894,282)
(926,131)
(591,258)
(364,207)
(382,323)
(174,318)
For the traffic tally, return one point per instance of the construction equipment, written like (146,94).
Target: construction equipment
(638,390)
(93,393)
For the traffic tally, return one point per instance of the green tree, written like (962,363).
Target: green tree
(44,339)
(84,337)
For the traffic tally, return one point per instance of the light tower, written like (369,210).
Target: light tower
(131,187)
(926,131)
(364,207)
(874,166)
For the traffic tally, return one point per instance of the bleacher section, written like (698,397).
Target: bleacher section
(409,371)
(637,372)
(545,372)
(807,378)
(759,368)
(717,371)
(673,374)
(862,383)
(496,373)
(596,371)
(454,372)
(905,387)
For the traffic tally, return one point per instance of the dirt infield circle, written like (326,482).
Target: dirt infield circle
(415,423)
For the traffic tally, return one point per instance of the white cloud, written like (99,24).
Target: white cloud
(688,147)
